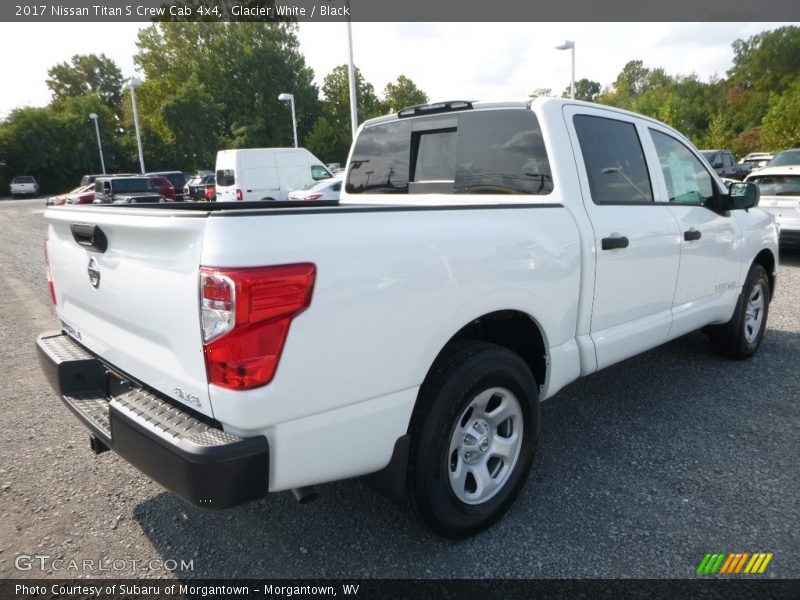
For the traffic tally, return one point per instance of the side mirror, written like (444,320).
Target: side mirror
(741,196)
(717,164)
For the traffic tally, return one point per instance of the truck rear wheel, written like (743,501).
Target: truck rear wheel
(742,335)
(473,439)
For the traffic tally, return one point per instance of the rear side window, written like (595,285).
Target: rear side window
(481,152)
(614,160)
(225,177)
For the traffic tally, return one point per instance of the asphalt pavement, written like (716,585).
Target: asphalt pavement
(642,469)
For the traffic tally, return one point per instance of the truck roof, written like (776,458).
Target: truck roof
(521,103)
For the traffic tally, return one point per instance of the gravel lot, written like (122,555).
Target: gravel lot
(641,470)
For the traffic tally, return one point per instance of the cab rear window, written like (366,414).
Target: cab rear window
(480,152)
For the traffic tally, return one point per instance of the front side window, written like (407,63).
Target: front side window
(688,182)
(319,173)
(614,160)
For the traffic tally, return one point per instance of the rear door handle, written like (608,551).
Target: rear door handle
(692,235)
(613,243)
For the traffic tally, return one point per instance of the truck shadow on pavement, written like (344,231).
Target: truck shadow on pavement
(636,466)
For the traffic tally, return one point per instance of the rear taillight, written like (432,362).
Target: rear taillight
(239,194)
(245,316)
(313,197)
(49,273)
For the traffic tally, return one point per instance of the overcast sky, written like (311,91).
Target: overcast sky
(446,60)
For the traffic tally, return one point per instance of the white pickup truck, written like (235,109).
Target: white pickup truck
(482,257)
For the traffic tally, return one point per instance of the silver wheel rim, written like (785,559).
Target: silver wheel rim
(754,314)
(485,445)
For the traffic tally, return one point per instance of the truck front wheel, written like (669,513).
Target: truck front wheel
(742,335)
(473,439)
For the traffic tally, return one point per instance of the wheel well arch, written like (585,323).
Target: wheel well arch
(766,259)
(512,329)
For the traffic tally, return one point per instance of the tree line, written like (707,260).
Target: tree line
(209,86)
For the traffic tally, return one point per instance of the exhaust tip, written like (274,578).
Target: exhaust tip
(307,494)
(96,445)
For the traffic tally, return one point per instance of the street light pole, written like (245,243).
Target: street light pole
(132,85)
(290,98)
(570,45)
(351,76)
(95,118)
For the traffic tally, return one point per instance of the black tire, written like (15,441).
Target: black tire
(741,337)
(468,372)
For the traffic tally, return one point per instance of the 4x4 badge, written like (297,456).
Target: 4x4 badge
(94,273)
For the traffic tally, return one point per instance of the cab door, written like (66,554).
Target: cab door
(636,238)
(711,242)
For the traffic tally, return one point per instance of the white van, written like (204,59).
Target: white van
(265,173)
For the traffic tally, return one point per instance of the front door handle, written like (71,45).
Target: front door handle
(692,235)
(613,243)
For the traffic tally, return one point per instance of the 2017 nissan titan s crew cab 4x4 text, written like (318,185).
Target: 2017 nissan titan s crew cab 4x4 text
(483,256)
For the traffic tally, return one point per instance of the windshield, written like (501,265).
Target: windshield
(126,186)
(778,185)
(24,180)
(787,157)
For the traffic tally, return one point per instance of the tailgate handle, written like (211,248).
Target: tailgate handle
(614,243)
(89,236)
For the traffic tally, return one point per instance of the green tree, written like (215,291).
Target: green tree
(402,94)
(764,64)
(80,137)
(336,105)
(324,141)
(782,122)
(86,74)
(720,135)
(237,71)
(585,89)
(33,142)
(336,89)
(192,118)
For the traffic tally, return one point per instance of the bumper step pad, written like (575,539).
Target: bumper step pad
(198,461)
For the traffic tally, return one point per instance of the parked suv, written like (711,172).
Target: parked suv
(125,190)
(87,179)
(23,185)
(723,162)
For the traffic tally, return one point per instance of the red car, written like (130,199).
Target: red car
(164,187)
(80,195)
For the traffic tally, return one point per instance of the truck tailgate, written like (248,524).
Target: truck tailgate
(134,303)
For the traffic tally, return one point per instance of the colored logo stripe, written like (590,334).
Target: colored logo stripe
(734,563)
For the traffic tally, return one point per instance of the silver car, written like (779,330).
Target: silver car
(327,189)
